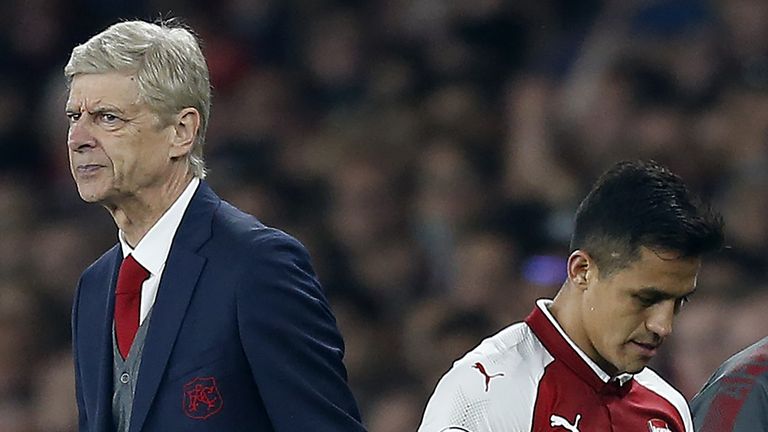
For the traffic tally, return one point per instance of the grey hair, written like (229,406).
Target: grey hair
(168,64)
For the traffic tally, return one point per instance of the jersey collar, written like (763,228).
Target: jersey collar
(563,349)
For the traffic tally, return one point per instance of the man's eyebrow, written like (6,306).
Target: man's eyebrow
(661,295)
(105,108)
(98,109)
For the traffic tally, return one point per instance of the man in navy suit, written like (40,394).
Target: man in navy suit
(200,318)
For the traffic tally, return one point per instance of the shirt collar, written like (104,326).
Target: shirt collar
(548,330)
(153,249)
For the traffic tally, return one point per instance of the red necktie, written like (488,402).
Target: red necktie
(127,302)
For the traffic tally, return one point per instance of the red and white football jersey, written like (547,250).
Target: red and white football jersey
(531,377)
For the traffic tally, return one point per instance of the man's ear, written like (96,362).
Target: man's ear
(185,127)
(581,268)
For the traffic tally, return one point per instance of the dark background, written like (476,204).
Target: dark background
(429,153)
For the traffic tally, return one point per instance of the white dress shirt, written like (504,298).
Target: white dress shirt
(152,250)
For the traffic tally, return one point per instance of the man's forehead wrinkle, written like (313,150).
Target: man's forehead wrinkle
(77,105)
(92,104)
(99,104)
(665,254)
(90,98)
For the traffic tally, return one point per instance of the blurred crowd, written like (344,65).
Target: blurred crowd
(429,153)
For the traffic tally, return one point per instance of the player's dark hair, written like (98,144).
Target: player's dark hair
(642,203)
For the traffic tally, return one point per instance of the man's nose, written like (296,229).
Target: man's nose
(660,319)
(79,136)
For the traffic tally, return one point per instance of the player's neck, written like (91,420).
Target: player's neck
(567,311)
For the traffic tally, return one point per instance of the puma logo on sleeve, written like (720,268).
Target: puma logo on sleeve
(479,366)
(557,421)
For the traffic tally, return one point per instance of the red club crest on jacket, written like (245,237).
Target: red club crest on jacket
(202,398)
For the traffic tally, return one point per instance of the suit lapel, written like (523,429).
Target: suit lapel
(104,334)
(177,284)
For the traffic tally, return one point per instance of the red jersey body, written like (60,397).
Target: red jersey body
(531,377)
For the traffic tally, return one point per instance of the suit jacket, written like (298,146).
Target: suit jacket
(241,337)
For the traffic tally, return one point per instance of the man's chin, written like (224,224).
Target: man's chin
(91,195)
(635,367)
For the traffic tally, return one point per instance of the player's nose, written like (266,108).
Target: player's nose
(660,319)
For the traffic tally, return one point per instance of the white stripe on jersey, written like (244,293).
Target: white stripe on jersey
(653,382)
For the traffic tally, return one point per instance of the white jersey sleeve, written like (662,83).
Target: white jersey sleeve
(458,404)
(492,388)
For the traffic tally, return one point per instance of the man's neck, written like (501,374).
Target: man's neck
(136,215)
(567,312)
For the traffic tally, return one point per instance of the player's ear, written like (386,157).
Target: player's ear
(580,268)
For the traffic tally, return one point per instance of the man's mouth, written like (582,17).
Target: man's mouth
(647,349)
(86,169)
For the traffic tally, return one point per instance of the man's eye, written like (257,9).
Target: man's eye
(645,301)
(73,116)
(109,118)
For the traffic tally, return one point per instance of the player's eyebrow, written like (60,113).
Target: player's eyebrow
(657,294)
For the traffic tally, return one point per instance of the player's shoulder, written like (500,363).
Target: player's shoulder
(749,356)
(651,380)
(728,378)
(510,348)
(475,393)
